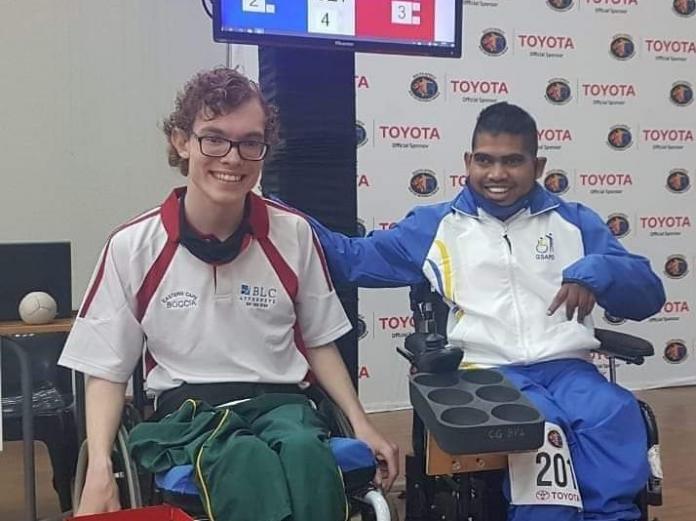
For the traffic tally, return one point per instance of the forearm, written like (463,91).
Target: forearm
(384,259)
(624,285)
(104,403)
(328,367)
(331,373)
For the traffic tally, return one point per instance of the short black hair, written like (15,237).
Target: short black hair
(505,118)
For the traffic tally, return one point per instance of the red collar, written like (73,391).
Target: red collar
(169,212)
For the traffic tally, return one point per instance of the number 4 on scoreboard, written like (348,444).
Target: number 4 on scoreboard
(332,16)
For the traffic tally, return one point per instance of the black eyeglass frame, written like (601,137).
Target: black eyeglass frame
(233,144)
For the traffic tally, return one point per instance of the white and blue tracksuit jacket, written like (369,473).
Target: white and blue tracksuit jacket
(499,278)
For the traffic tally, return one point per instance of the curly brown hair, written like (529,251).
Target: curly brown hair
(214,93)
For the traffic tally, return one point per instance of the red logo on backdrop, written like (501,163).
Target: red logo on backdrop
(555,134)
(397,326)
(606,179)
(665,225)
(479,87)
(361,82)
(416,133)
(554,138)
(665,221)
(670,47)
(672,311)
(609,90)
(674,307)
(668,135)
(363,372)
(546,42)
(396,322)
(612,3)
(457,180)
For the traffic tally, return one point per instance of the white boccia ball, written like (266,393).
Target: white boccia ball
(37,307)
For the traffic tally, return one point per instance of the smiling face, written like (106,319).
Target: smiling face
(220,182)
(501,167)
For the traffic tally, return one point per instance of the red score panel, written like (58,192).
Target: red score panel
(398,19)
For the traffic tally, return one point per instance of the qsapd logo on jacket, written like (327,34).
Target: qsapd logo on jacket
(544,248)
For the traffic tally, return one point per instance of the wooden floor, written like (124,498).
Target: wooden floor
(675,410)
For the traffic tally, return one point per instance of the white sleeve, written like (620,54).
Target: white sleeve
(106,340)
(319,312)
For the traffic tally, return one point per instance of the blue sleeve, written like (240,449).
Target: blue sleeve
(384,258)
(623,283)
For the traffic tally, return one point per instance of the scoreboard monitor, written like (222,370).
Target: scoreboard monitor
(417,27)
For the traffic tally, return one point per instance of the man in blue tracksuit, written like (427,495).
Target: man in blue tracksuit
(521,270)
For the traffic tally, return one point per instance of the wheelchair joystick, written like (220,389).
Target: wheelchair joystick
(427,351)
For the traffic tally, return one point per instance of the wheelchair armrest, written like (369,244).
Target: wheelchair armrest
(631,349)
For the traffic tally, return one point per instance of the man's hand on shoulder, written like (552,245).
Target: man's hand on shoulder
(576,297)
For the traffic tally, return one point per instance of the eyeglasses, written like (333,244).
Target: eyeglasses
(216,146)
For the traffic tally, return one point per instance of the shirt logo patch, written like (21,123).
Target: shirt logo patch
(259,297)
(180,300)
(544,248)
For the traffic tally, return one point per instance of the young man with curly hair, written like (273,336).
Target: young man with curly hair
(229,295)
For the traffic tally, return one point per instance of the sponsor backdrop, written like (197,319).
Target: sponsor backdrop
(611,84)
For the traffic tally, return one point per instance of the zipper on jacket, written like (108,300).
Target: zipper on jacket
(513,287)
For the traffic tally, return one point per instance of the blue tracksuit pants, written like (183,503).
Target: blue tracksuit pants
(606,436)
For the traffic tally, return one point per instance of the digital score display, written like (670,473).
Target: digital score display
(419,27)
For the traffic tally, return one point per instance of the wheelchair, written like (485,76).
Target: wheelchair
(176,488)
(451,487)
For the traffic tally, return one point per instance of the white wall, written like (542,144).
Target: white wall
(84,85)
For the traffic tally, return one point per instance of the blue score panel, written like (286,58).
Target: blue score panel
(270,15)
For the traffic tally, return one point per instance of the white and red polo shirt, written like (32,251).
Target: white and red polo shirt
(244,321)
